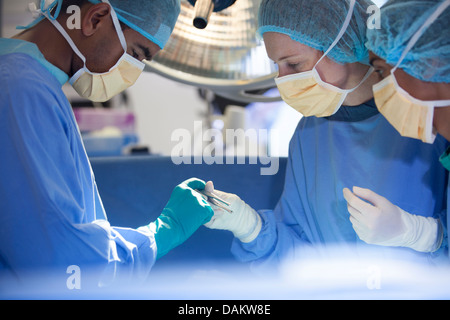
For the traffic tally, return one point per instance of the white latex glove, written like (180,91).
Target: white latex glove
(245,223)
(380,222)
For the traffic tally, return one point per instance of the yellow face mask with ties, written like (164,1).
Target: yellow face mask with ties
(307,93)
(100,87)
(411,117)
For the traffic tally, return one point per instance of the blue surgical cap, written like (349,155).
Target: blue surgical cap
(429,58)
(154,19)
(316,23)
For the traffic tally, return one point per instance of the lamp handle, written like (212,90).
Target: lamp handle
(203,11)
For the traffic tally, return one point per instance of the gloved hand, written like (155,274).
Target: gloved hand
(245,223)
(382,223)
(185,212)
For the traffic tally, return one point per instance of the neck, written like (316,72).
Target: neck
(51,43)
(364,92)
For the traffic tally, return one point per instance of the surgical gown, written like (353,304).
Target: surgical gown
(354,147)
(51,214)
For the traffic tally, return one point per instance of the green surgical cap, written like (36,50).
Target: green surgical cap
(154,19)
(429,58)
(316,23)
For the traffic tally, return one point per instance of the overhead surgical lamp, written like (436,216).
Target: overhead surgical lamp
(214,46)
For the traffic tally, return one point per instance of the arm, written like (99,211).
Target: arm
(277,231)
(52,216)
(51,213)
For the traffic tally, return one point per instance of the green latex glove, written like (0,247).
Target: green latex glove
(185,212)
(445,159)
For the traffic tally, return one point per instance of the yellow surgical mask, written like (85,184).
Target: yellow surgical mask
(307,93)
(411,117)
(100,87)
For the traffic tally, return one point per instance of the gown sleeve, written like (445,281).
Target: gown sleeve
(51,216)
(281,231)
(325,157)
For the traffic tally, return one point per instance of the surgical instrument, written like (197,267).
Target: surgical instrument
(215,200)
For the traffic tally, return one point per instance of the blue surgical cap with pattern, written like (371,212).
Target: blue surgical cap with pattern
(429,58)
(316,23)
(154,19)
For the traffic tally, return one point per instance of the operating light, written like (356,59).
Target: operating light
(226,56)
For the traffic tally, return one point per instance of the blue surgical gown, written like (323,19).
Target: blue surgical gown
(51,214)
(354,147)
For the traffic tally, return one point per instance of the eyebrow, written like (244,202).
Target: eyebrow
(288,57)
(146,51)
(373,59)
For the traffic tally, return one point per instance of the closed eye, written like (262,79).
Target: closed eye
(135,54)
(146,52)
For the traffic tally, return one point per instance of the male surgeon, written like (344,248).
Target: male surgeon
(51,214)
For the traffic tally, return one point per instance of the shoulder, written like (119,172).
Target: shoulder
(20,70)
(308,126)
(30,93)
(24,79)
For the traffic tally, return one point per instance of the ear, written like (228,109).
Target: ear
(95,17)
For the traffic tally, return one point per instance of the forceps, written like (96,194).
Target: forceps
(215,200)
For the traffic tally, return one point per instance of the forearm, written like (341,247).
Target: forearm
(428,233)
(275,242)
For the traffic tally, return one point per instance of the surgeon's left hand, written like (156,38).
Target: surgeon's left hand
(185,212)
(380,222)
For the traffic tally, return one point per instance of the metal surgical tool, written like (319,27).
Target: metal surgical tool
(215,200)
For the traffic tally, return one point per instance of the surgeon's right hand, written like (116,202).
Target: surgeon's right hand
(378,221)
(245,223)
(185,212)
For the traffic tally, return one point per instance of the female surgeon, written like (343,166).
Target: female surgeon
(343,141)
(411,52)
